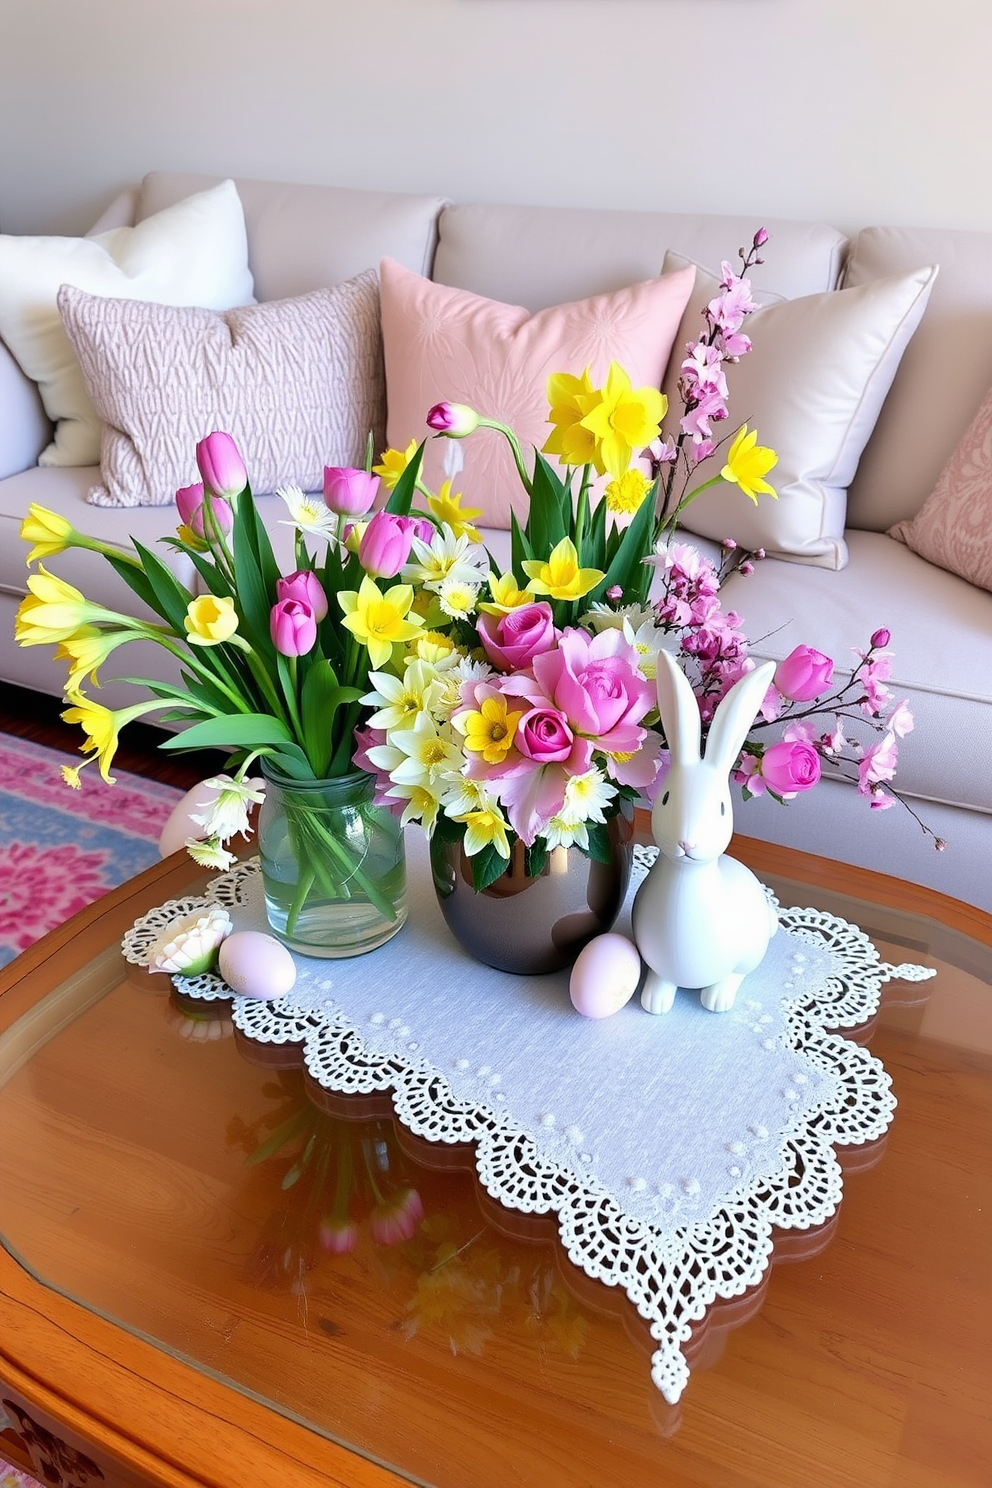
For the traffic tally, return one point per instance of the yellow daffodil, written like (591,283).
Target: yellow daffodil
(433,646)
(380,621)
(49,532)
(448,508)
(102,728)
(427,608)
(490,731)
(485,829)
(393,464)
(421,805)
(747,463)
(625,420)
(571,399)
(625,494)
(561,577)
(505,596)
(54,610)
(210,620)
(87,650)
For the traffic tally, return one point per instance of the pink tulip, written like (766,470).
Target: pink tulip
(304,585)
(512,641)
(385,544)
(190,502)
(293,627)
(349,492)
(454,419)
(397,1218)
(221,465)
(803,675)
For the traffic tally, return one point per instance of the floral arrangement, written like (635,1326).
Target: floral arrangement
(494,706)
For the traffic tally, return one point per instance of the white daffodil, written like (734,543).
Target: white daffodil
(227,815)
(308,513)
(562,833)
(587,797)
(189,946)
(485,829)
(606,617)
(400,700)
(462,797)
(458,599)
(647,640)
(431,755)
(446,557)
(421,805)
(209,854)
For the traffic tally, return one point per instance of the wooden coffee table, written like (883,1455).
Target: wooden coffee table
(171,1314)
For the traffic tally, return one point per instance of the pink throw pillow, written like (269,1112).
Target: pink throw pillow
(953,528)
(444,344)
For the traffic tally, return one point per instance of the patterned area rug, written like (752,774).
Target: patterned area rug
(59,850)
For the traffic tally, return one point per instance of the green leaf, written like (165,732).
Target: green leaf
(627,568)
(401,498)
(520,549)
(216,582)
(535,859)
(550,515)
(234,731)
(321,697)
(599,843)
(172,599)
(137,581)
(487,866)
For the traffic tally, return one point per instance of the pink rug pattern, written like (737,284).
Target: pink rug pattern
(59,850)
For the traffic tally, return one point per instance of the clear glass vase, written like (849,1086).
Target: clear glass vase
(333,865)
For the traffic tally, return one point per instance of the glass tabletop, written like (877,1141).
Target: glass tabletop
(203,1193)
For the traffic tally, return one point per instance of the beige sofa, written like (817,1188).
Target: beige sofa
(304,237)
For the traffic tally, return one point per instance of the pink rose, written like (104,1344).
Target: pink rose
(597,684)
(512,641)
(790,767)
(543,735)
(803,675)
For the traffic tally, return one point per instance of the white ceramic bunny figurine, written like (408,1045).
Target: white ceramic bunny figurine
(700,918)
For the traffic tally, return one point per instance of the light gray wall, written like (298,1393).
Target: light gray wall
(850,111)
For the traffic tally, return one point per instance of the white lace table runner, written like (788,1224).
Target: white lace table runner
(670,1146)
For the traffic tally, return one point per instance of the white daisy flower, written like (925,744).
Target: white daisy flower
(561,833)
(446,557)
(458,599)
(308,513)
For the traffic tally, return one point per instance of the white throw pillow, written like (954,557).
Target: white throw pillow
(193,253)
(812,386)
(298,383)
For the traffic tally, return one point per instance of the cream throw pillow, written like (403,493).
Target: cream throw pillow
(812,386)
(953,528)
(193,253)
(444,344)
(298,383)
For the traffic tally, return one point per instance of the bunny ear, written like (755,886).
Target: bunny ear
(735,715)
(679,711)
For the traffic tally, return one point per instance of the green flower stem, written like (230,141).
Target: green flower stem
(291,699)
(518,458)
(264,681)
(190,659)
(218,543)
(312,841)
(108,550)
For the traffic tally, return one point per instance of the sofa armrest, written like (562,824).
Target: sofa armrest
(24,426)
(121,212)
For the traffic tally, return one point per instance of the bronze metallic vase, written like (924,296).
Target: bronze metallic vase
(531,925)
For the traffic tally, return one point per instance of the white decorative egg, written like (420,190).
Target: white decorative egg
(605,976)
(179,827)
(254,964)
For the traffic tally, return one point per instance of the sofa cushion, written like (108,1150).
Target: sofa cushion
(194,253)
(446,344)
(313,237)
(298,383)
(943,376)
(812,385)
(954,526)
(942,664)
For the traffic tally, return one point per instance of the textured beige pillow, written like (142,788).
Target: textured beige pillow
(812,386)
(192,253)
(953,528)
(298,383)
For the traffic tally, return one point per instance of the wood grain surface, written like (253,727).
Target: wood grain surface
(474,1355)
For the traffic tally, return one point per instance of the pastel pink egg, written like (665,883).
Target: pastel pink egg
(179,827)
(254,964)
(605,976)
